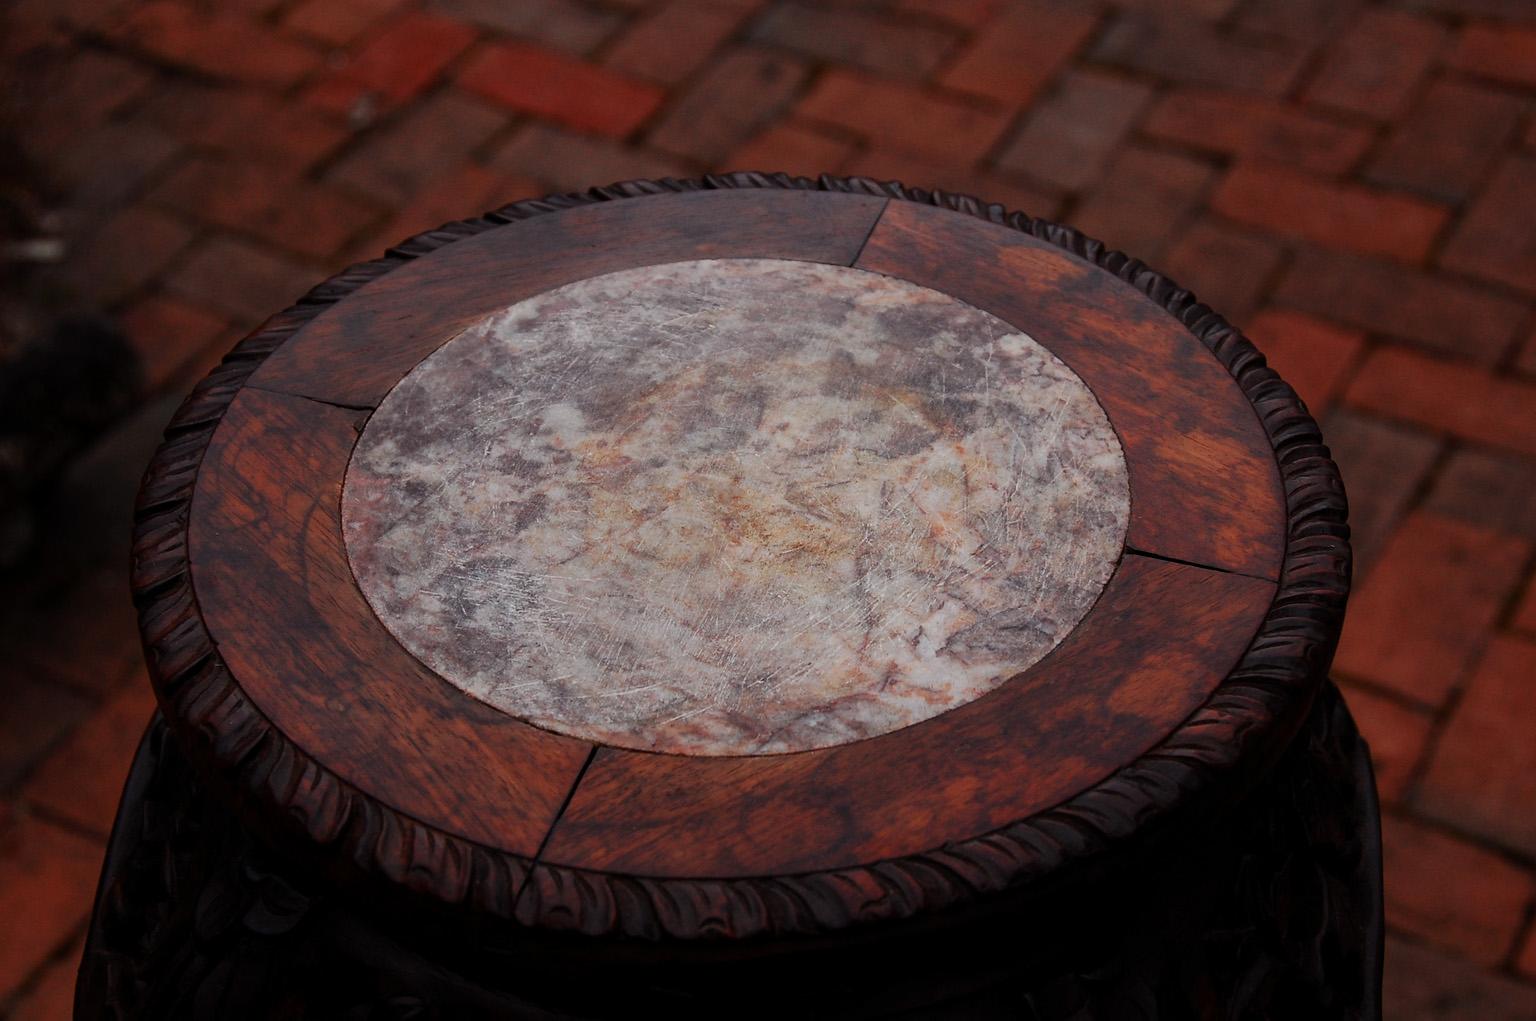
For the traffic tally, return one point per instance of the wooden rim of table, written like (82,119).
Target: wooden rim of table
(1220,620)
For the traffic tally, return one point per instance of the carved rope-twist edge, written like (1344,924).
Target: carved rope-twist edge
(1229,740)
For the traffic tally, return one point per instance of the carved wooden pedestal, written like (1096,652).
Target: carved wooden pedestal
(745,597)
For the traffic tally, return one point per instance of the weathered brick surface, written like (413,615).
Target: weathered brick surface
(904,117)
(1345,216)
(1067,139)
(855,37)
(1374,68)
(1384,464)
(1313,354)
(1501,52)
(395,63)
(215,42)
(1144,197)
(1021,50)
(671,42)
(584,96)
(1446,146)
(1257,128)
(1490,795)
(1348,180)
(1427,608)
(1397,734)
(729,102)
(47,876)
(1451,893)
(81,781)
(1448,396)
(1497,239)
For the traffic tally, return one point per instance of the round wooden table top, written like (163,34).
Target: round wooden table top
(737,556)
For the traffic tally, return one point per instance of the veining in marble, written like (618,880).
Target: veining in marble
(735,506)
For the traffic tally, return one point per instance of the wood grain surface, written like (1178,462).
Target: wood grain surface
(1161,638)
(356,351)
(1090,738)
(279,600)
(1204,484)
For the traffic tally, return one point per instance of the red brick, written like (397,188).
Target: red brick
(1525,613)
(1308,21)
(1225,267)
(167,333)
(300,216)
(1525,360)
(130,249)
(1396,734)
(1258,128)
(1445,148)
(1334,215)
(793,149)
(862,38)
(1450,893)
(1384,466)
(1373,69)
(38,713)
(1427,607)
(1067,138)
(1144,197)
(1525,963)
(92,617)
(106,167)
(1182,49)
(584,96)
(1022,50)
(733,99)
(1427,308)
(562,161)
(51,996)
(257,128)
(337,22)
(217,43)
(966,13)
(568,25)
(1488,488)
(82,780)
(1311,354)
(1504,52)
(1482,778)
(60,102)
(1425,985)
(1497,237)
(240,280)
(1459,399)
(673,41)
(919,173)
(396,63)
(443,130)
(47,879)
(904,118)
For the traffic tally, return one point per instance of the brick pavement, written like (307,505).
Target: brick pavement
(1354,183)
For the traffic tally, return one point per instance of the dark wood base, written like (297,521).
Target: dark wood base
(1271,909)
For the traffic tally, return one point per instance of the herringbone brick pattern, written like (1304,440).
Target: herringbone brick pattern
(1353,183)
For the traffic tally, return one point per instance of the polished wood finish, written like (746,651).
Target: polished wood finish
(356,351)
(271,576)
(1160,639)
(1204,484)
(1186,681)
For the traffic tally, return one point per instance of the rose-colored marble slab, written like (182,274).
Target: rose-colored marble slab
(735,506)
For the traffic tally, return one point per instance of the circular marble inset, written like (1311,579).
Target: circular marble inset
(734,507)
